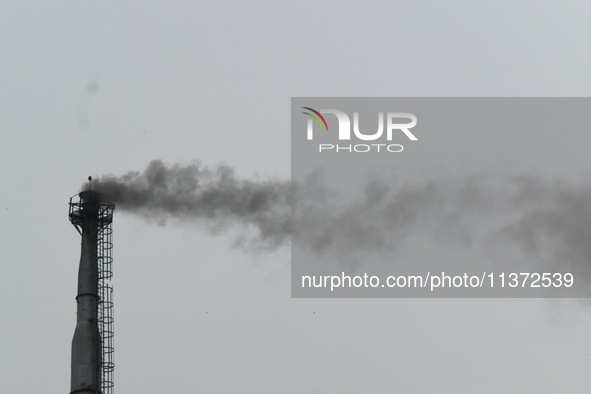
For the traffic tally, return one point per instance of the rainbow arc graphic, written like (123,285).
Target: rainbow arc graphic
(315,118)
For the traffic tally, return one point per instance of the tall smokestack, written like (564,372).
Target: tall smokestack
(92,342)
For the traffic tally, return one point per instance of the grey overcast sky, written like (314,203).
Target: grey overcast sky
(99,87)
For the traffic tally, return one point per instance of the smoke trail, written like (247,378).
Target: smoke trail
(550,219)
(211,197)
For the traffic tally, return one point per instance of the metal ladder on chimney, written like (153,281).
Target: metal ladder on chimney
(105,306)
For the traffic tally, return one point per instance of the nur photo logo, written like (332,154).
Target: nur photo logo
(392,127)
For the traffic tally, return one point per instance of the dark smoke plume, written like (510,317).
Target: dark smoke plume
(211,197)
(550,219)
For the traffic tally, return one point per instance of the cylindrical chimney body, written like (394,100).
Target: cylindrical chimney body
(86,344)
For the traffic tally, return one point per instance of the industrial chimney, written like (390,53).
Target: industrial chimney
(92,345)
